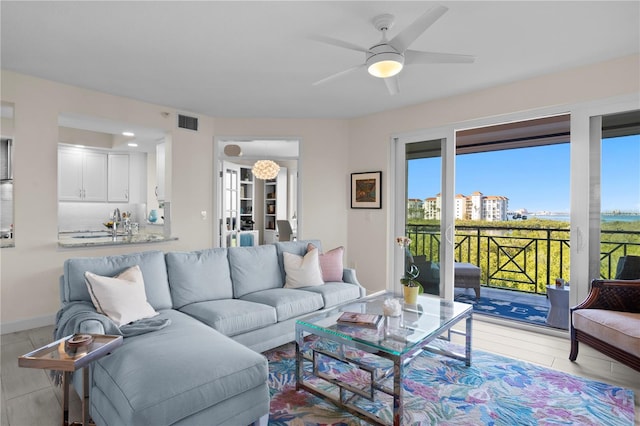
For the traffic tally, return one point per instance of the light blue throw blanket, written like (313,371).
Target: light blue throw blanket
(72,315)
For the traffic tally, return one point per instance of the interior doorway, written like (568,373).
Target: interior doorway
(250,207)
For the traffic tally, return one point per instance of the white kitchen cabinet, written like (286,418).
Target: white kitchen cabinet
(82,175)
(137,178)
(118,174)
(69,175)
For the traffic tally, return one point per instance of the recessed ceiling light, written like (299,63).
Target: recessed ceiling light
(128,134)
(132,144)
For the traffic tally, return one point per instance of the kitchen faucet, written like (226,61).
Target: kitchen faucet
(116,218)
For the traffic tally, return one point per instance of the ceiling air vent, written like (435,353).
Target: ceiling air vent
(186,122)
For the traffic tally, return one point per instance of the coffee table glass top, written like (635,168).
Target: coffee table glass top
(429,318)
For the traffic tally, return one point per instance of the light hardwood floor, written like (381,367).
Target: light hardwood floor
(30,399)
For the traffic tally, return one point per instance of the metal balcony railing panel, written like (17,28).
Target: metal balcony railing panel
(520,258)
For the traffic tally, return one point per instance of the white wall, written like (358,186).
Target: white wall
(370,236)
(329,151)
(30,270)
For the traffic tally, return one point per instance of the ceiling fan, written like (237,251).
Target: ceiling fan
(386,58)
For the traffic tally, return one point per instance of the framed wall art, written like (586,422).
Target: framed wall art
(366,190)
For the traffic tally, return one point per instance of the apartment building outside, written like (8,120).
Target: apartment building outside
(471,207)
(415,208)
(432,207)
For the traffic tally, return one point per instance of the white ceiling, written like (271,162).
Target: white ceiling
(258,59)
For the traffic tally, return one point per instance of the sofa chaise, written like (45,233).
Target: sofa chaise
(196,358)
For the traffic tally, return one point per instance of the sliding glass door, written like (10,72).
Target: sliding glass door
(603,190)
(423,161)
(424,185)
(619,193)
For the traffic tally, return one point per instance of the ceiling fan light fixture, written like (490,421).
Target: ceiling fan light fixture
(265,169)
(385,64)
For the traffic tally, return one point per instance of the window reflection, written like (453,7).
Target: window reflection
(7,229)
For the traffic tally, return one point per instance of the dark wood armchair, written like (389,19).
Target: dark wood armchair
(609,321)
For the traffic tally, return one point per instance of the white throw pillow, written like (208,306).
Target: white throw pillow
(121,298)
(302,271)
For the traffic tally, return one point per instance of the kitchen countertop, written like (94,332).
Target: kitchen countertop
(94,239)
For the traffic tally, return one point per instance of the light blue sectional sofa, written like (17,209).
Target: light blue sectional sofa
(198,362)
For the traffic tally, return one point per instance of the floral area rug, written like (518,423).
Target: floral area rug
(495,390)
(505,309)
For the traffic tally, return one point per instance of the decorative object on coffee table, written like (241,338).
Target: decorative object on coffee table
(411,286)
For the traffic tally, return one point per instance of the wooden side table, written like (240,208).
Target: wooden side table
(56,356)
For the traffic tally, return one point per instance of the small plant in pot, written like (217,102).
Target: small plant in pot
(411,286)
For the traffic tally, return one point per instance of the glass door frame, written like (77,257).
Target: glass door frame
(447,214)
(586,149)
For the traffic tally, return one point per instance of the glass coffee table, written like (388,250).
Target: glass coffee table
(396,339)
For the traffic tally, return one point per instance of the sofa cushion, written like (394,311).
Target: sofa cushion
(170,374)
(254,269)
(330,263)
(199,276)
(122,298)
(151,264)
(232,316)
(288,302)
(619,329)
(335,293)
(302,271)
(298,248)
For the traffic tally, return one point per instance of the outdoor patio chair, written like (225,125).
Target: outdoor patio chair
(628,268)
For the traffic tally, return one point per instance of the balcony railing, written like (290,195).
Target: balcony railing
(517,257)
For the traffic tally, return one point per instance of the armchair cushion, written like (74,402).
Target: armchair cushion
(619,329)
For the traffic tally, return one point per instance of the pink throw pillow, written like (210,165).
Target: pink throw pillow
(330,264)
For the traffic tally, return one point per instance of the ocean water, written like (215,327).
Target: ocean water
(604,217)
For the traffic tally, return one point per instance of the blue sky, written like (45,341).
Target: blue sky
(536,178)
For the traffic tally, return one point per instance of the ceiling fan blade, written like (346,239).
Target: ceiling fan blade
(338,75)
(339,43)
(407,36)
(416,57)
(393,84)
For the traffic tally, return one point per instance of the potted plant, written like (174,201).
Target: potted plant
(410,285)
